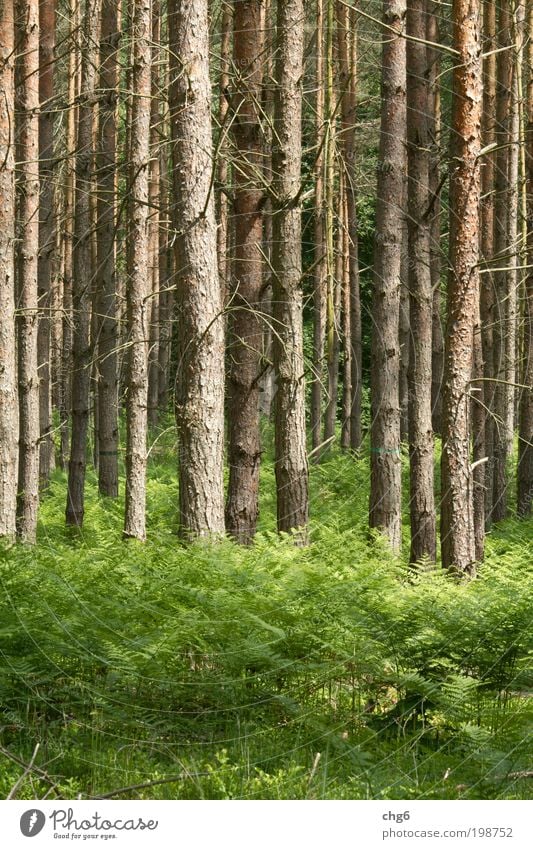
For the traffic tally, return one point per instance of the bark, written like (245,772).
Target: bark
(8,377)
(200,378)
(153,223)
(351,417)
(222,160)
(319,276)
(65,401)
(503,256)
(27,157)
(107,333)
(356,343)
(404,336)
(139,284)
(245,325)
(487,282)
(457,525)
(290,443)
(422,503)
(434,130)
(82,273)
(525,430)
(385,479)
(331,203)
(166,302)
(46,230)
(267,386)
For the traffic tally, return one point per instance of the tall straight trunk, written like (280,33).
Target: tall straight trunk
(525,425)
(267,386)
(349,219)
(404,336)
(487,282)
(27,157)
(319,274)
(385,466)
(332,281)
(290,443)
(513,257)
(107,336)
(346,330)
(166,303)
(46,230)
(82,273)
(503,256)
(435,131)
(138,287)
(356,339)
(245,325)
(8,377)
(200,378)
(226,13)
(153,222)
(422,501)
(457,523)
(68,235)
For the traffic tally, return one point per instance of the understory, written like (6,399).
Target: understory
(263,672)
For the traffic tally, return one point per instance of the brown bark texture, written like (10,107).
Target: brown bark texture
(290,439)
(8,377)
(106,312)
(422,502)
(27,157)
(138,283)
(385,462)
(245,325)
(83,271)
(200,353)
(457,522)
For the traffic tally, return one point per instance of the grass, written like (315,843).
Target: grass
(267,672)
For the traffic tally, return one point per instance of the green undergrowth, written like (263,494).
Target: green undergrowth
(267,672)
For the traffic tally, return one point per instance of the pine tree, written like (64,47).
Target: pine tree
(200,321)
(457,521)
(8,384)
(385,482)
(290,438)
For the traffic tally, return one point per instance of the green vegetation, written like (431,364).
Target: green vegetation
(267,672)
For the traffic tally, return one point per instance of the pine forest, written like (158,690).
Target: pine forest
(266,399)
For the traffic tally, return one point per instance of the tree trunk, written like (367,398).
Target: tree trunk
(332,279)
(457,524)
(525,432)
(27,157)
(82,273)
(153,222)
(290,449)
(68,234)
(106,254)
(200,379)
(46,230)
(347,49)
(385,480)
(487,282)
(222,158)
(503,254)
(434,128)
(319,274)
(422,502)
(8,377)
(245,325)
(138,287)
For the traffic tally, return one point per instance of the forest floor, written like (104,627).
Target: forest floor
(268,672)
